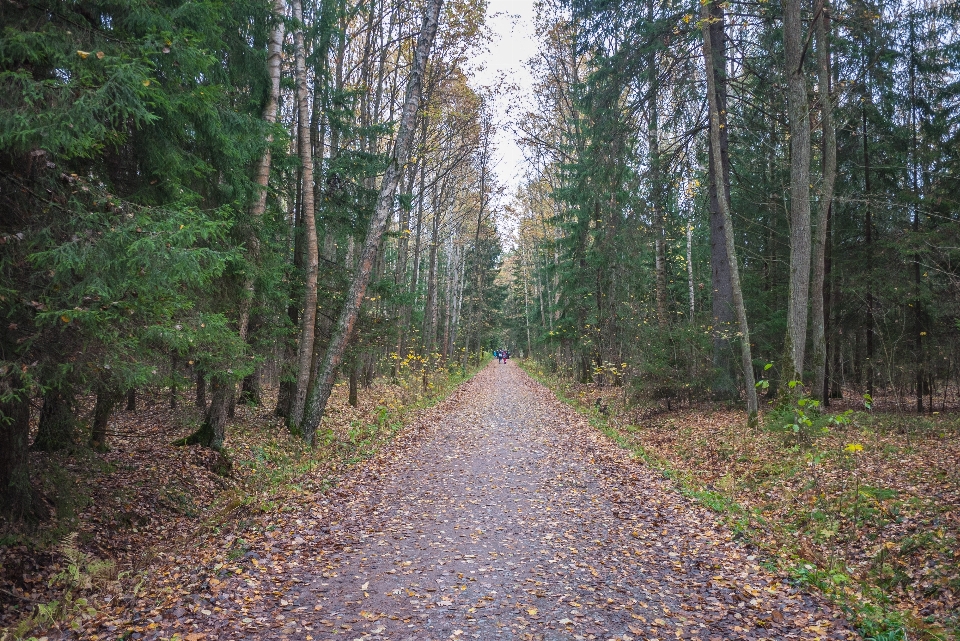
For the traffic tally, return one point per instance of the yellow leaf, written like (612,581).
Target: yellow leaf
(532,612)
(146,83)
(65,318)
(83,54)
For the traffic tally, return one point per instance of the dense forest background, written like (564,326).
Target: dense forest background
(227,208)
(188,191)
(837,131)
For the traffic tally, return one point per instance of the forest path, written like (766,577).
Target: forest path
(502,515)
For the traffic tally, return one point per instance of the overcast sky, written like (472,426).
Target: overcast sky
(514,42)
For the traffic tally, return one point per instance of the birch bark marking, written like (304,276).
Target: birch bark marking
(817,286)
(320,393)
(714,110)
(311,252)
(800,233)
(259,206)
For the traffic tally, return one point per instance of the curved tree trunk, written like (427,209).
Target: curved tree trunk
(320,393)
(259,206)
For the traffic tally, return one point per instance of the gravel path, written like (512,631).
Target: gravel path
(502,515)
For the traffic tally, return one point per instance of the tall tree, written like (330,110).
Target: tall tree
(311,251)
(320,393)
(800,229)
(818,292)
(714,114)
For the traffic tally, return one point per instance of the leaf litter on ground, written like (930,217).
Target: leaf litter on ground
(498,513)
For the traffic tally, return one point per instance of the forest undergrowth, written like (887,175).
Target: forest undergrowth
(116,516)
(864,507)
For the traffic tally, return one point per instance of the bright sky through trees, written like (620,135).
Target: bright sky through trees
(513,44)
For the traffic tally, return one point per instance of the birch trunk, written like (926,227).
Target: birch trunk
(430,306)
(312,259)
(274,54)
(320,393)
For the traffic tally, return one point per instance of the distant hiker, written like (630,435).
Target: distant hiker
(499,355)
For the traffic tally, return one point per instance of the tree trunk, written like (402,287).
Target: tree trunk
(800,231)
(259,206)
(818,291)
(58,423)
(400,272)
(214,428)
(388,187)
(690,286)
(526,296)
(714,111)
(430,308)
(656,188)
(312,256)
(107,399)
(918,315)
(352,398)
(406,321)
(201,400)
(250,388)
(867,366)
(132,399)
(430,305)
(16,493)
(723,385)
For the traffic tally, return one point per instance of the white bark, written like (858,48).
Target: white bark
(320,393)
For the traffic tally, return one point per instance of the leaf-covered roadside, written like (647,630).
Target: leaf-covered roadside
(121,516)
(867,513)
(500,513)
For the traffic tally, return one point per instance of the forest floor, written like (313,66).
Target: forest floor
(500,513)
(115,516)
(867,511)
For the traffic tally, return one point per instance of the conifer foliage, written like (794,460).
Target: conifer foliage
(181,182)
(818,138)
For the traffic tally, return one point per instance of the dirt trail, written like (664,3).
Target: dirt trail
(501,516)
